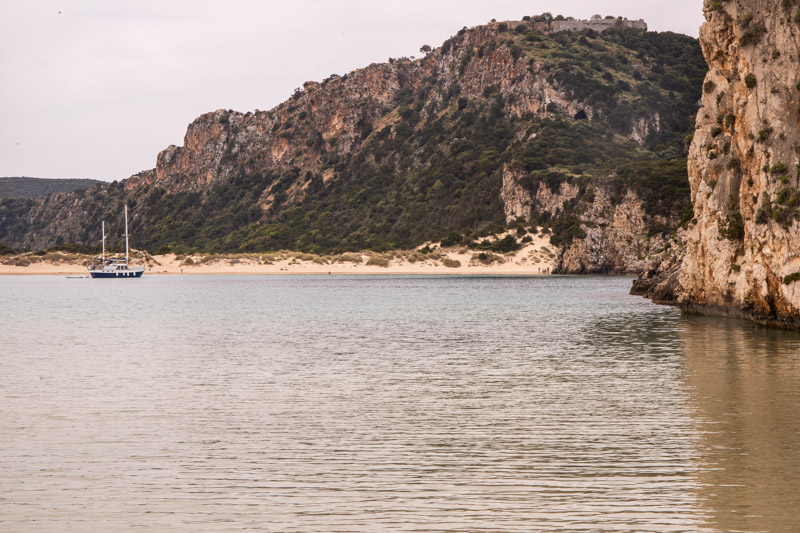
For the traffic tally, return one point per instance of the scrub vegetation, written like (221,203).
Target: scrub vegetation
(430,167)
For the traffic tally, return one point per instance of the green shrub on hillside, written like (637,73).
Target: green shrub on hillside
(504,245)
(791,278)
(7,250)
(565,229)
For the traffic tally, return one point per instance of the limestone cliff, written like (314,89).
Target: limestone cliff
(743,245)
(611,230)
(618,236)
(336,115)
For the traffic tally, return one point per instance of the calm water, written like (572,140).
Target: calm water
(322,404)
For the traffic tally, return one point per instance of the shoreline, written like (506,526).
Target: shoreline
(535,258)
(385,272)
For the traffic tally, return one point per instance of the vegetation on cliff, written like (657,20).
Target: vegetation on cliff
(401,153)
(37,187)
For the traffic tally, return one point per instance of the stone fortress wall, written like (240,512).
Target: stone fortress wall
(596,23)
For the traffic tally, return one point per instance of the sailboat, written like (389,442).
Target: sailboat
(114,267)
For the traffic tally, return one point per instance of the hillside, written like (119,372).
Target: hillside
(38,187)
(500,126)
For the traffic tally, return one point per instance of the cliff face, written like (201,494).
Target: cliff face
(611,228)
(743,246)
(332,117)
(501,125)
(618,239)
(322,118)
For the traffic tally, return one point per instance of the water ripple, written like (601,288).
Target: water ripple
(417,404)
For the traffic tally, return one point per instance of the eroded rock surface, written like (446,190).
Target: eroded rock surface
(742,250)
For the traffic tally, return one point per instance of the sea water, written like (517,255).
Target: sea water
(388,403)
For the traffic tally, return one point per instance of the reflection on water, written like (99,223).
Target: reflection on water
(745,391)
(387,404)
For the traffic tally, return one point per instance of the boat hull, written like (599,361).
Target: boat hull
(118,274)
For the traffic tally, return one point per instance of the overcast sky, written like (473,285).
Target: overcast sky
(96,88)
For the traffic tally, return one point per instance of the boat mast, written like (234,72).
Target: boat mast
(126,233)
(103,227)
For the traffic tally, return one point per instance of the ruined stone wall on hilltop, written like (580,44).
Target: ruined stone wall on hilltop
(597,24)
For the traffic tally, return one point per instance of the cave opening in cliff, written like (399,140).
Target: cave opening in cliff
(581,115)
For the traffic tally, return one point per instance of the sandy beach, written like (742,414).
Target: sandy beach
(535,257)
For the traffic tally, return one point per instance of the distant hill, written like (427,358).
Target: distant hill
(37,187)
(501,127)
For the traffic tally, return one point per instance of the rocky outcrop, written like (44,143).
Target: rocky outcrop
(216,143)
(519,202)
(658,280)
(551,201)
(516,198)
(618,238)
(644,126)
(743,246)
(616,233)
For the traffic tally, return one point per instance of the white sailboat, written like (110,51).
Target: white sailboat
(115,267)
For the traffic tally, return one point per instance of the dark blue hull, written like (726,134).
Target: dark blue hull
(122,274)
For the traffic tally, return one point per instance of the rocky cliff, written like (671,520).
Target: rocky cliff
(603,225)
(617,238)
(743,244)
(502,125)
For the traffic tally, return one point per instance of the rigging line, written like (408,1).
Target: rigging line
(140,248)
(116,235)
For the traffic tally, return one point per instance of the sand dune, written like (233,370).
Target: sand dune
(536,257)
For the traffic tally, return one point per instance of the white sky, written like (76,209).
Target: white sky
(96,88)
